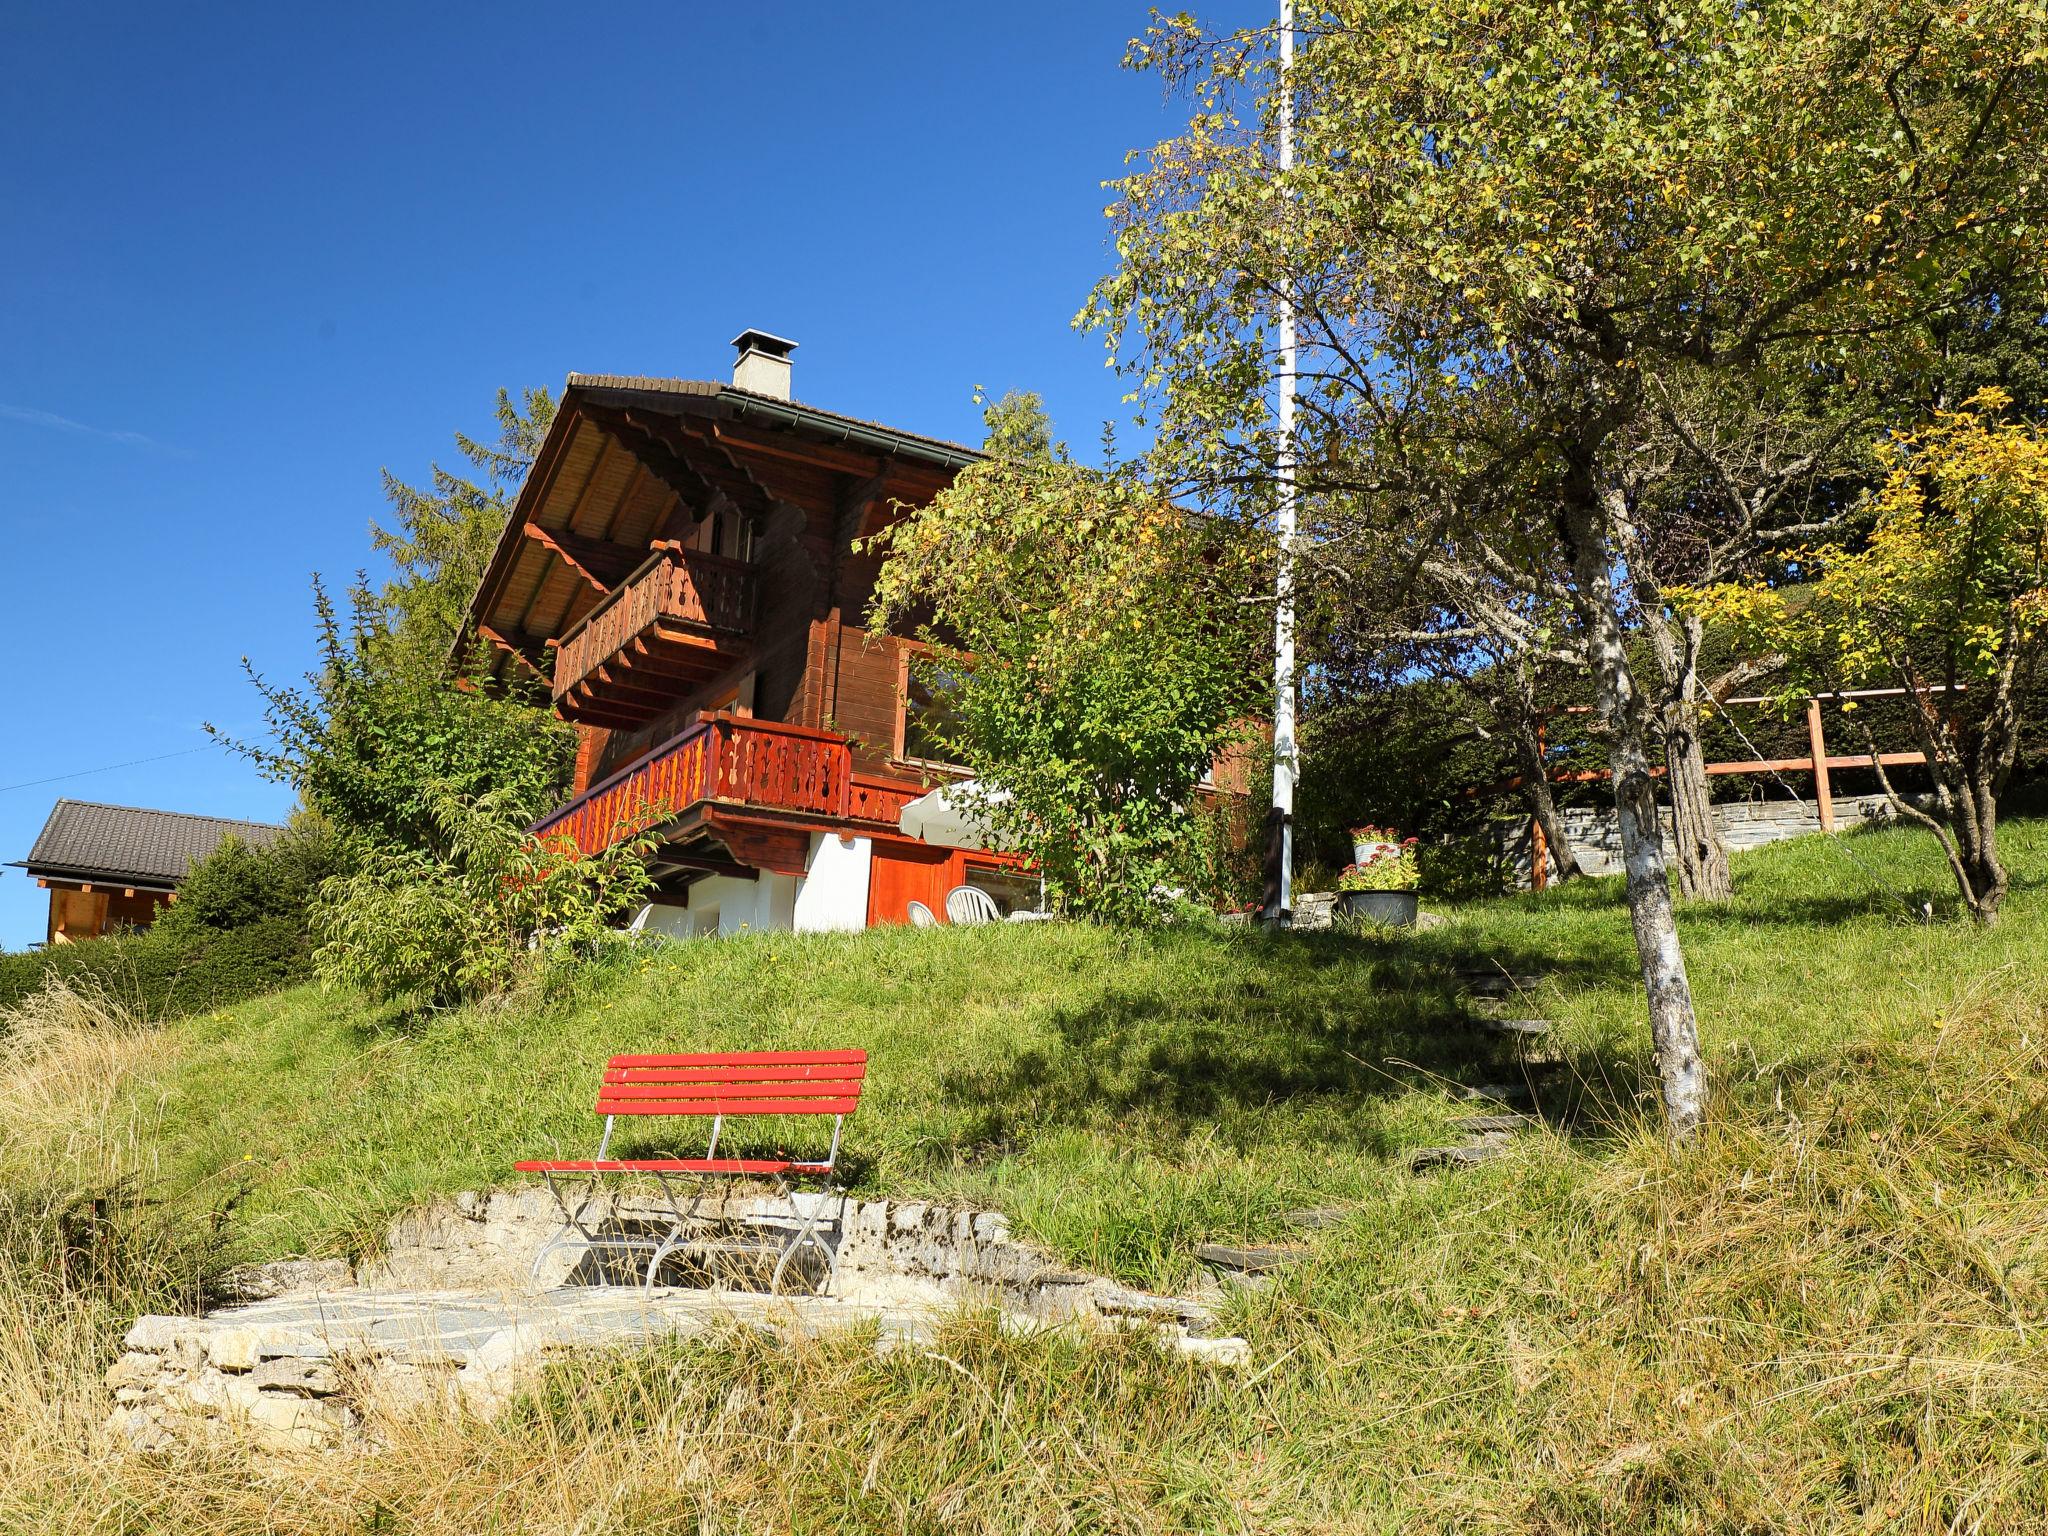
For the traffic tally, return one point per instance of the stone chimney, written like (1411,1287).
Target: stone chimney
(762,364)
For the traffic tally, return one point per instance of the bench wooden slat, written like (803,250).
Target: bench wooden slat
(838,1106)
(687,1091)
(733,1165)
(821,1074)
(744,1059)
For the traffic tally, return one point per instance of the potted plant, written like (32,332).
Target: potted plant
(1380,886)
(1369,841)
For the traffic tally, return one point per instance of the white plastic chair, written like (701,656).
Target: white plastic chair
(969,904)
(921,915)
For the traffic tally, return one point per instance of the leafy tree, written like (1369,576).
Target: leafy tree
(406,923)
(1019,427)
(242,884)
(1095,648)
(442,534)
(370,744)
(1956,565)
(1504,219)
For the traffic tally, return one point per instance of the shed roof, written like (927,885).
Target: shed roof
(83,839)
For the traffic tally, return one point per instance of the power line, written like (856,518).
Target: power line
(109,768)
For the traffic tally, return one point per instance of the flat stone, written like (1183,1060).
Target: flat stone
(1453,1157)
(1481,1125)
(1249,1261)
(294,1423)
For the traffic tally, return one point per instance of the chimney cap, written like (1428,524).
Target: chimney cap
(764,341)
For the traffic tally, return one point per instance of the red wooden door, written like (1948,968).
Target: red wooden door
(900,875)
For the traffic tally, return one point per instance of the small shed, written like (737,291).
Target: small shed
(116,866)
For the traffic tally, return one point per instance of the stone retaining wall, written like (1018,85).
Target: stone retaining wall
(448,1316)
(1596,835)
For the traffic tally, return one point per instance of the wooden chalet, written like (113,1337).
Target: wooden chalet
(680,571)
(113,867)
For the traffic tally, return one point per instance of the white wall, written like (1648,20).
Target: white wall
(834,894)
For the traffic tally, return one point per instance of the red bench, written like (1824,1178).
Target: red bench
(719,1086)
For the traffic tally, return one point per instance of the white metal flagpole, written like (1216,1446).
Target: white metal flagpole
(1283,586)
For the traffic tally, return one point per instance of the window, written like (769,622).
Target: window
(1010,890)
(927,713)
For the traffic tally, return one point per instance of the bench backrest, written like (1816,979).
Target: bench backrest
(734,1083)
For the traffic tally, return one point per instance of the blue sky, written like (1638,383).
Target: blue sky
(251,254)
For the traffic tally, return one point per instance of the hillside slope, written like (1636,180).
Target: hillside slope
(1826,1317)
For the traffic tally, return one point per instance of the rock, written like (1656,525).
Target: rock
(991,1227)
(158,1335)
(305,1378)
(295,1423)
(1231,1352)
(239,1349)
(134,1369)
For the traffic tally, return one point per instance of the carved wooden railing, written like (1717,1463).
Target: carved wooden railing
(731,760)
(689,590)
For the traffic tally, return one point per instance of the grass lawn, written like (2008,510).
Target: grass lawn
(1826,1317)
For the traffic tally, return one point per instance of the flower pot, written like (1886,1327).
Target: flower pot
(1365,849)
(1389,909)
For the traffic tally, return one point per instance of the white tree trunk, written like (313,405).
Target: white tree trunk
(1674,1029)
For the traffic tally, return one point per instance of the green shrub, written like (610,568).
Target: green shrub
(440,930)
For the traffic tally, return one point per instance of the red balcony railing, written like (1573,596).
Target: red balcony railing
(676,599)
(729,760)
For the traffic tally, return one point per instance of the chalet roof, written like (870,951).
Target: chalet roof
(629,460)
(832,426)
(85,840)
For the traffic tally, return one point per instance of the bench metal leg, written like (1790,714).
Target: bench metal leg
(807,1232)
(572,1221)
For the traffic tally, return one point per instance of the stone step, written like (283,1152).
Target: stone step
(1528,1028)
(1455,1157)
(1498,1093)
(1254,1260)
(1486,1125)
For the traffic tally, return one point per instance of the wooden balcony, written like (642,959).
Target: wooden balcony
(677,621)
(760,770)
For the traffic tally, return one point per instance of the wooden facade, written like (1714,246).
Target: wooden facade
(682,571)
